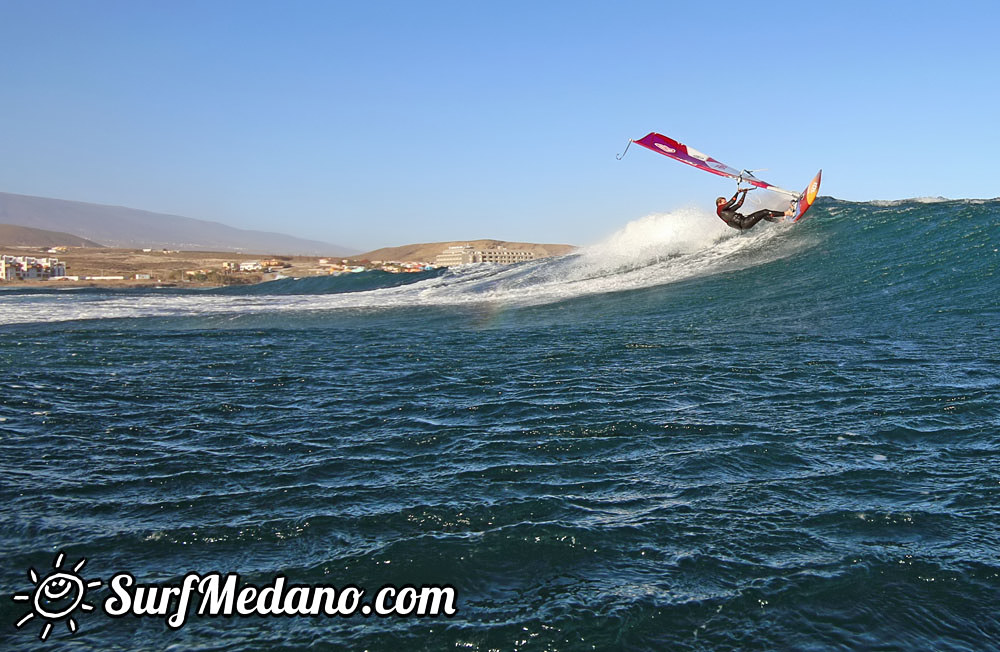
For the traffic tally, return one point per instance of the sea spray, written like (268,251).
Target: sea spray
(655,237)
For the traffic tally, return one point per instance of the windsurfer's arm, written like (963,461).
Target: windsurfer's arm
(740,202)
(731,205)
(743,195)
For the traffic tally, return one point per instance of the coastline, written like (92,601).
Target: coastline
(110,268)
(110,285)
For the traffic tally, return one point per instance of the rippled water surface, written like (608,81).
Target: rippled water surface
(677,439)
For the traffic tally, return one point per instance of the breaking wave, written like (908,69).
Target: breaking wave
(653,250)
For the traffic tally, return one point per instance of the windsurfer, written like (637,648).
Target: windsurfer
(727,211)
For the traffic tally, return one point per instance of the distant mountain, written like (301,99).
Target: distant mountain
(23,236)
(428,252)
(118,226)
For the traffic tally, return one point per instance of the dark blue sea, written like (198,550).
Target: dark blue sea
(679,438)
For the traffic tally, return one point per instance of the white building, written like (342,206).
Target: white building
(465,254)
(454,255)
(501,255)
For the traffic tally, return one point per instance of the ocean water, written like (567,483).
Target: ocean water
(680,438)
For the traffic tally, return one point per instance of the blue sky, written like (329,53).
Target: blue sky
(373,123)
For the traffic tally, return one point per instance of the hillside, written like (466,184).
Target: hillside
(118,226)
(427,252)
(23,236)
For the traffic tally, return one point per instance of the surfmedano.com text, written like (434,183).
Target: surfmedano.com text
(219,595)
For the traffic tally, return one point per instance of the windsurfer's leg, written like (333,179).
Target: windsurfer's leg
(749,221)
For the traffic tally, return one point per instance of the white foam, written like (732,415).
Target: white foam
(653,250)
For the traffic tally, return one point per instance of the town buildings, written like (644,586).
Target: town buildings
(28,268)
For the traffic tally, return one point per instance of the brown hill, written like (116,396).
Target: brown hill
(24,236)
(118,226)
(427,252)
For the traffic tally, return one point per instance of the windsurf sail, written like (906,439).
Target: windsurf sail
(807,197)
(680,152)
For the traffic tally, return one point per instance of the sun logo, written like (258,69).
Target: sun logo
(56,596)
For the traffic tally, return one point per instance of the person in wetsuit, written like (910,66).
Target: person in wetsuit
(727,211)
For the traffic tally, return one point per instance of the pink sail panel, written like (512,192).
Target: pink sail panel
(681,152)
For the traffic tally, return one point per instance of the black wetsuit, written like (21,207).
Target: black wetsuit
(729,215)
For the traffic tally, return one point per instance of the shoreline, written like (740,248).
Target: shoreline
(119,268)
(111,285)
